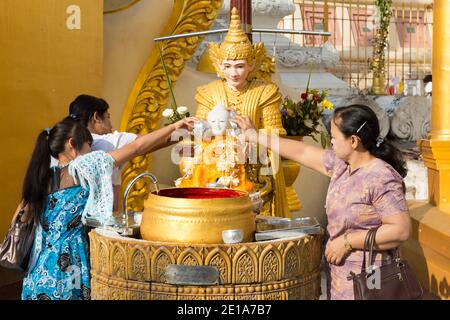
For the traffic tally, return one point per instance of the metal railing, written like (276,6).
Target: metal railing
(352,27)
(254,30)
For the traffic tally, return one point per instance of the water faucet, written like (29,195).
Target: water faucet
(127,190)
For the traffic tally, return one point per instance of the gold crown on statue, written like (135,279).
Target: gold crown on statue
(236,45)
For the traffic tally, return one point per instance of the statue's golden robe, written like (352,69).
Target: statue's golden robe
(207,172)
(260,101)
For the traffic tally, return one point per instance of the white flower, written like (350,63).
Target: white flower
(182,110)
(308,123)
(167,113)
(225,181)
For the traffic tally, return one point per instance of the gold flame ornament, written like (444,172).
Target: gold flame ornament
(236,46)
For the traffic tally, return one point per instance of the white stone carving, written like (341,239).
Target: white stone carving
(278,9)
(416,181)
(315,57)
(412,118)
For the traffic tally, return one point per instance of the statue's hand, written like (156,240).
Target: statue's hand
(249,131)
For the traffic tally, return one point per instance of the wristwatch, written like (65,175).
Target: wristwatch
(347,244)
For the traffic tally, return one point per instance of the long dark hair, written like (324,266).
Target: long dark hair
(50,142)
(84,106)
(361,121)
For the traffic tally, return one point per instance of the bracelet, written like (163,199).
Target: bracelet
(347,244)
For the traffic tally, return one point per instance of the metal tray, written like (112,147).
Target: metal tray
(271,224)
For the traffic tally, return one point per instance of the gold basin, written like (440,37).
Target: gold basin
(196,215)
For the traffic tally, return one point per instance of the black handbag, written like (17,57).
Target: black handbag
(394,280)
(16,248)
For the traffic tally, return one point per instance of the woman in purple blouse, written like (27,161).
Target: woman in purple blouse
(366,190)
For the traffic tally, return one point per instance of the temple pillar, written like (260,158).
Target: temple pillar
(436,150)
(427,250)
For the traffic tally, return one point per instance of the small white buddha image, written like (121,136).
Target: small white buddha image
(218,119)
(218,158)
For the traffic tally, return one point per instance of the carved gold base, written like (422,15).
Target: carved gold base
(379,86)
(426,250)
(291,170)
(132,269)
(293,200)
(436,158)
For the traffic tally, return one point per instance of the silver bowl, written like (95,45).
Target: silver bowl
(232,235)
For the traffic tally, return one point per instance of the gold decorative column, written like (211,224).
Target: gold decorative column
(150,93)
(436,150)
(427,249)
(381,40)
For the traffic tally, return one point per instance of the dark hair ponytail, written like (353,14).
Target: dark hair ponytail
(37,177)
(389,153)
(361,121)
(50,142)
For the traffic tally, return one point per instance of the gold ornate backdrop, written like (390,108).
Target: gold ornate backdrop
(150,93)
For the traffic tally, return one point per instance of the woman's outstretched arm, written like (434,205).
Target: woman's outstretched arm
(307,155)
(151,141)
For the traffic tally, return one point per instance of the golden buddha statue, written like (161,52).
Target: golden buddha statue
(219,156)
(236,62)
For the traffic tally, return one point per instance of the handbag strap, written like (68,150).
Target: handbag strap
(18,217)
(368,247)
(371,242)
(372,245)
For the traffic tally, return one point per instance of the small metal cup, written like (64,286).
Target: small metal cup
(232,236)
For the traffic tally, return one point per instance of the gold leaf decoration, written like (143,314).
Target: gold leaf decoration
(150,92)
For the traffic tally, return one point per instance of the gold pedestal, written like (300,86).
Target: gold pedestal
(379,85)
(134,269)
(437,160)
(291,169)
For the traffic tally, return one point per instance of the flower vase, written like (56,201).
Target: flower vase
(291,169)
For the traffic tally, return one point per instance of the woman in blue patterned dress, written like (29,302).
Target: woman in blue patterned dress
(59,199)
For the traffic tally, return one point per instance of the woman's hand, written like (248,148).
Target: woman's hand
(336,252)
(248,128)
(186,123)
(244,123)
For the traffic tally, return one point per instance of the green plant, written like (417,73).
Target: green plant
(302,118)
(174,113)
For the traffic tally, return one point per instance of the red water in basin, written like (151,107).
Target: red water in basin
(199,193)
